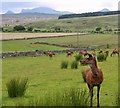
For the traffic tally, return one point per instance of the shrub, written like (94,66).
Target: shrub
(78,57)
(30,29)
(16,87)
(101,57)
(64,64)
(1,29)
(19,28)
(36,30)
(74,65)
(57,29)
(84,75)
(98,29)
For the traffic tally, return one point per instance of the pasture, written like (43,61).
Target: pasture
(46,79)
(83,24)
(90,40)
(51,78)
(45,75)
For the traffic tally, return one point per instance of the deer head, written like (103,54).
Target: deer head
(91,60)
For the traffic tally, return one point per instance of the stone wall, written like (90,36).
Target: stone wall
(40,52)
(33,53)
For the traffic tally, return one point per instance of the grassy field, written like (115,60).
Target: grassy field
(10,36)
(24,46)
(82,24)
(97,40)
(20,19)
(44,74)
(50,78)
(44,78)
(78,24)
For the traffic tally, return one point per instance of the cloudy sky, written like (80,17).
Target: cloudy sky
(76,6)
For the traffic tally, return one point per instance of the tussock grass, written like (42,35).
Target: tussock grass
(101,57)
(16,87)
(74,65)
(78,57)
(64,97)
(64,64)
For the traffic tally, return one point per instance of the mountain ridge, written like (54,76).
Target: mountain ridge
(41,10)
(47,10)
(9,12)
(105,10)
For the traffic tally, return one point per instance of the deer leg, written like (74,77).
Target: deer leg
(91,94)
(111,54)
(98,89)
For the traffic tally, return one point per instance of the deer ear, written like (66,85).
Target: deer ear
(90,55)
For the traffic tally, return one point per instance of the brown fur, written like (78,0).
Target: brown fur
(94,76)
(83,52)
(115,51)
(50,54)
(69,53)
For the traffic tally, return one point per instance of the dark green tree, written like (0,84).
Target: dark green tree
(19,28)
(98,29)
(30,29)
(57,29)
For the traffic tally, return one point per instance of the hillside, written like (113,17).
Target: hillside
(78,24)
(82,24)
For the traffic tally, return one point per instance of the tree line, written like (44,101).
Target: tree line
(89,14)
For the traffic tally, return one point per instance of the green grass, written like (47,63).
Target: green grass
(45,78)
(78,57)
(75,24)
(101,57)
(95,40)
(64,64)
(74,64)
(16,87)
(22,45)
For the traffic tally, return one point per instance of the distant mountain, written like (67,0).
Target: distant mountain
(9,12)
(105,10)
(44,10)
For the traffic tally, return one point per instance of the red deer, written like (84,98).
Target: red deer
(94,76)
(107,53)
(69,53)
(115,51)
(100,52)
(83,52)
(50,54)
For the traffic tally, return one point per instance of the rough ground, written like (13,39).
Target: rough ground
(11,36)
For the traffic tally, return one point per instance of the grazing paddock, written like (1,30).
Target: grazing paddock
(91,40)
(44,78)
(10,36)
(83,24)
(45,75)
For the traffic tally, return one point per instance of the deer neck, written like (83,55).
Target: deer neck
(94,68)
